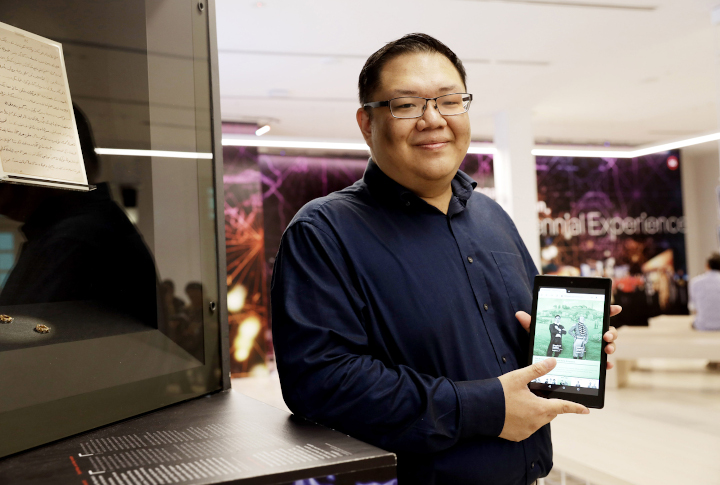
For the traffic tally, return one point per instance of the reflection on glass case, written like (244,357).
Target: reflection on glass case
(110,299)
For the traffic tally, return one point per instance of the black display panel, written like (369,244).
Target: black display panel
(569,317)
(114,295)
(224,438)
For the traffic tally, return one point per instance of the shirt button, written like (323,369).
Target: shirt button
(532,465)
(470,260)
(504,360)
(486,306)
(407,203)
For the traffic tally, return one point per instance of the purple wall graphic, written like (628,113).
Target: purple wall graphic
(618,218)
(290,182)
(246,275)
(480,168)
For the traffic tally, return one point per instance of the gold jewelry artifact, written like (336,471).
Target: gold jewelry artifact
(6,319)
(42,328)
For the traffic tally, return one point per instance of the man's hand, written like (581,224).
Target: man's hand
(610,336)
(525,413)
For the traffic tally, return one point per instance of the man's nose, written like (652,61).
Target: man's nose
(431,118)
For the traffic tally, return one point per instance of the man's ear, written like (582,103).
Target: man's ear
(364,123)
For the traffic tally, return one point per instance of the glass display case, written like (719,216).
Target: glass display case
(113,297)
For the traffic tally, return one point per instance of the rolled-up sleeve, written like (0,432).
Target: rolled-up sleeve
(327,369)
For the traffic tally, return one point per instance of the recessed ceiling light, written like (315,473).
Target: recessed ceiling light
(152,153)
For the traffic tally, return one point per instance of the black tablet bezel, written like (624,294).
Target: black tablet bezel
(573,282)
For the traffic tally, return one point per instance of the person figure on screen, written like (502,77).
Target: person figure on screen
(580,333)
(556,333)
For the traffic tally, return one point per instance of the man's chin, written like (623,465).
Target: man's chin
(437,168)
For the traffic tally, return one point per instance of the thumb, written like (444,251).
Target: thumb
(539,369)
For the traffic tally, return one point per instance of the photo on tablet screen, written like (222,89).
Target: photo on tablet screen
(569,327)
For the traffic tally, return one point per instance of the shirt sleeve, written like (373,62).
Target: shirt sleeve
(327,369)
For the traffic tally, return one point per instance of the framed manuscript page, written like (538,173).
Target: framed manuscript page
(39,142)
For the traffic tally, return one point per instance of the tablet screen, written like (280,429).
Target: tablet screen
(569,327)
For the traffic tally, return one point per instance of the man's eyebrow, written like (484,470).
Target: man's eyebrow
(409,92)
(404,92)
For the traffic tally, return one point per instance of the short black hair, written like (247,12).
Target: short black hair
(411,43)
(713,261)
(557,316)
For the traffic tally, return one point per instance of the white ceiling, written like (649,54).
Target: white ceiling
(627,72)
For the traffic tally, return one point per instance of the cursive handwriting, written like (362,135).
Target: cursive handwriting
(37,133)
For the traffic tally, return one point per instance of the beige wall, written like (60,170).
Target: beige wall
(700,176)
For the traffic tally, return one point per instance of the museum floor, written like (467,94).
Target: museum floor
(664,428)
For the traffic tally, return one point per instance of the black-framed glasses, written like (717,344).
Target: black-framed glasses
(414,106)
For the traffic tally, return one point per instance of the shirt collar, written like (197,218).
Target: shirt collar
(387,188)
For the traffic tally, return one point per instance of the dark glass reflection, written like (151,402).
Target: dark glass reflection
(126,290)
(183,323)
(84,270)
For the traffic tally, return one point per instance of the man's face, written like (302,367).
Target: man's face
(557,320)
(419,152)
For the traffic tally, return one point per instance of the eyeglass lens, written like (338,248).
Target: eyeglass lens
(448,105)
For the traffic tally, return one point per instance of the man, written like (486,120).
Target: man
(395,300)
(556,333)
(705,296)
(579,332)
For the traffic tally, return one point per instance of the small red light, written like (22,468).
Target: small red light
(672,163)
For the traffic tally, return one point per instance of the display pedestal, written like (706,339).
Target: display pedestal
(218,439)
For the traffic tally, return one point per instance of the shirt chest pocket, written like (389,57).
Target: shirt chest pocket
(515,280)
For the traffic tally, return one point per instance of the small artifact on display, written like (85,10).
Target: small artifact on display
(6,319)
(39,143)
(42,328)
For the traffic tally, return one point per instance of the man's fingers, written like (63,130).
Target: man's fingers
(538,369)
(567,407)
(524,320)
(611,335)
(615,309)
(609,348)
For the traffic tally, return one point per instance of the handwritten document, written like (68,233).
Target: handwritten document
(38,135)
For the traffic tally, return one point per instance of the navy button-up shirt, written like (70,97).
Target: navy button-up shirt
(392,321)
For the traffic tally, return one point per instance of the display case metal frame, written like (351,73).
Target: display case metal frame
(34,425)
(219,192)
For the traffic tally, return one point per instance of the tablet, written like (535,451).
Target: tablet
(569,317)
